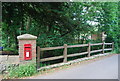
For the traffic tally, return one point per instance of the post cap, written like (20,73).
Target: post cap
(27,36)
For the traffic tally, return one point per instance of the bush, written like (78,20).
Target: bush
(11,50)
(22,71)
(116,48)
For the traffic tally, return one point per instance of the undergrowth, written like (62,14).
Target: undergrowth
(21,71)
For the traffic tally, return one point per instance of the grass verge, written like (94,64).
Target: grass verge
(21,71)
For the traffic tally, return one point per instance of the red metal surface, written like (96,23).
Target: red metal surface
(27,52)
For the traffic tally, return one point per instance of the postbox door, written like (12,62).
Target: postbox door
(27,52)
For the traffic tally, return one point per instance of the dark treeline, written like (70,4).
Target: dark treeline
(56,24)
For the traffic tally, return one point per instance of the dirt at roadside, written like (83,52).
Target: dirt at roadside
(1,77)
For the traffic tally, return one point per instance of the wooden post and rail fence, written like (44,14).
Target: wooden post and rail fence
(65,55)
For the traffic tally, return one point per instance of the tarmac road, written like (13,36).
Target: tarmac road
(106,68)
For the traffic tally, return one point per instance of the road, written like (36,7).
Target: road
(106,68)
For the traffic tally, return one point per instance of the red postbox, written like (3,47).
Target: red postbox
(27,52)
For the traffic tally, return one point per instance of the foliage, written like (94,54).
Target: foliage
(111,26)
(11,50)
(22,71)
(56,24)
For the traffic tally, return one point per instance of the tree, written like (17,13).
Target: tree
(58,23)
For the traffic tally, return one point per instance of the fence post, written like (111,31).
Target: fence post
(65,53)
(103,47)
(89,49)
(112,46)
(38,57)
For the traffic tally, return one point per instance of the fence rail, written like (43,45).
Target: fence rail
(51,48)
(65,55)
(96,51)
(77,54)
(96,44)
(108,43)
(71,46)
(51,58)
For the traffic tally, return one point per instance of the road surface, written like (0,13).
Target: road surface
(106,68)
